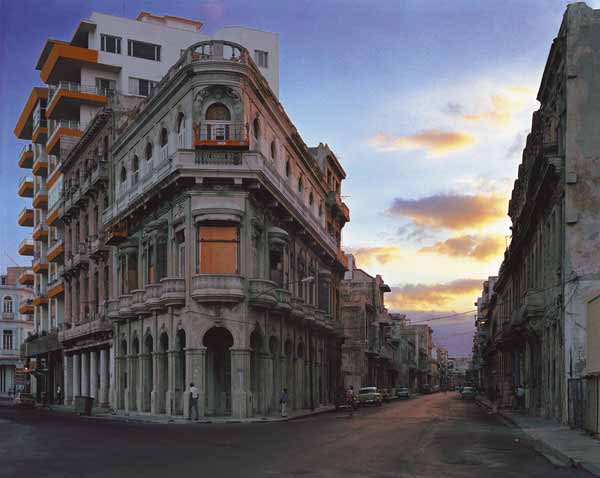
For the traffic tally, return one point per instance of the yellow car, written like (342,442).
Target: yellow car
(369,396)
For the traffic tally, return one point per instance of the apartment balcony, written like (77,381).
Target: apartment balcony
(61,60)
(26,307)
(89,328)
(62,128)
(297,307)
(68,96)
(152,296)
(40,264)
(25,187)
(26,247)
(40,298)
(24,127)
(97,246)
(284,300)
(54,213)
(207,288)
(40,132)
(40,199)
(40,231)
(138,304)
(113,309)
(26,217)
(40,345)
(26,157)
(99,173)
(80,255)
(125,303)
(222,136)
(54,172)
(310,312)
(338,207)
(262,293)
(56,250)
(26,277)
(40,165)
(173,291)
(56,288)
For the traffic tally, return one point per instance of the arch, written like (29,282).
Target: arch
(300,184)
(180,125)
(311,199)
(273,345)
(135,346)
(148,151)
(164,137)
(217,112)
(288,347)
(148,371)
(180,370)
(321,209)
(164,342)
(148,344)
(7,304)
(124,346)
(256,371)
(288,168)
(135,164)
(218,341)
(123,175)
(256,129)
(273,151)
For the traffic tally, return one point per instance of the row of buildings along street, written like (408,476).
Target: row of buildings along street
(538,320)
(182,231)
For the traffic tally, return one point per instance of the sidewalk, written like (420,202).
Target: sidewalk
(555,441)
(134,417)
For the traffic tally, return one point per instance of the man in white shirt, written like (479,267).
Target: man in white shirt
(194,395)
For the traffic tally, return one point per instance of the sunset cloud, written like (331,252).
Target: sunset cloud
(381,255)
(459,294)
(434,141)
(480,248)
(502,107)
(451,211)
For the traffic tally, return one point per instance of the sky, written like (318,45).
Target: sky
(426,104)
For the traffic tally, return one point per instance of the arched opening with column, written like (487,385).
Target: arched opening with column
(148,373)
(256,372)
(275,377)
(180,366)
(122,375)
(134,370)
(300,398)
(289,373)
(163,372)
(218,342)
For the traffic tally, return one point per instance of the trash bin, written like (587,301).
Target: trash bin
(83,405)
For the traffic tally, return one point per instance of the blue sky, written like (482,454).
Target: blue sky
(425,103)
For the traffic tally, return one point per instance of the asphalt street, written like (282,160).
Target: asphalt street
(433,436)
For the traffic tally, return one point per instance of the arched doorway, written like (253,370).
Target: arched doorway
(256,375)
(122,375)
(163,372)
(288,373)
(275,380)
(133,370)
(218,341)
(179,371)
(148,373)
(300,384)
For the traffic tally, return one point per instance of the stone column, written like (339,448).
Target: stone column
(67,306)
(94,374)
(170,396)
(104,377)
(195,371)
(240,383)
(154,395)
(68,380)
(267,383)
(126,366)
(141,382)
(85,374)
(82,295)
(76,375)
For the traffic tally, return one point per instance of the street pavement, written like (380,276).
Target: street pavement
(434,436)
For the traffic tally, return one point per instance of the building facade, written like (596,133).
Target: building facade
(16,324)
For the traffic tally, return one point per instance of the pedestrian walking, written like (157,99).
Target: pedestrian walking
(194,396)
(283,401)
(520,397)
(58,395)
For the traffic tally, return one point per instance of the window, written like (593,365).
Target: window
(123,174)
(148,152)
(256,129)
(181,131)
(300,184)
(320,209)
(110,44)
(7,340)
(218,120)
(7,305)
(311,199)
(287,169)
(262,58)
(140,87)
(164,144)
(273,150)
(218,248)
(147,51)
(135,169)
(103,86)
(218,112)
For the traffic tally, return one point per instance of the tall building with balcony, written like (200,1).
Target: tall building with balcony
(107,58)
(16,323)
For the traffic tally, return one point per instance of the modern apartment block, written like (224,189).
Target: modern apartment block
(107,58)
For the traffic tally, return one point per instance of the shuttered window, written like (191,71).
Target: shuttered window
(218,249)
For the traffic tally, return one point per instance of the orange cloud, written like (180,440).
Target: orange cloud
(375,255)
(451,211)
(456,294)
(480,248)
(434,141)
(504,106)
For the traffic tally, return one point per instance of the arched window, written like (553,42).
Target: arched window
(320,209)
(181,130)
(300,184)
(7,305)
(287,169)
(123,174)
(256,129)
(273,151)
(311,199)
(135,168)
(218,123)
(164,144)
(148,152)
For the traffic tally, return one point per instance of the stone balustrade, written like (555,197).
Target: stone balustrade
(217,288)
(152,296)
(173,291)
(125,302)
(113,309)
(262,293)
(284,300)
(138,303)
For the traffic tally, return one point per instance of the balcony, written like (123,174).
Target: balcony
(26,307)
(40,132)
(54,172)
(99,173)
(262,293)
(68,96)
(207,288)
(152,295)
(26,247)
(338,207)
(24,126)
(25,187)
(125,303)
(284,300)
(222,136)
(26,277)
(40,165)
(113,309)
(40,345)
(80,255)
(26,217)
(60,128)
(138,304)
(54,213)
(40,263)
(40,200)
(56,250)
(92,327)
(63,60)
(97,246)
(40,298)
(173,291)
(297,307)
(55,288)
(26,157)
(39,231)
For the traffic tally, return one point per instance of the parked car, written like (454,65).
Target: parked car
(403,393)
(369,396)
(386,394)
(24,400)
(467,393)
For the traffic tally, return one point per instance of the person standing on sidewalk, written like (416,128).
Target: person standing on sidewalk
(283,400)
(194,396)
